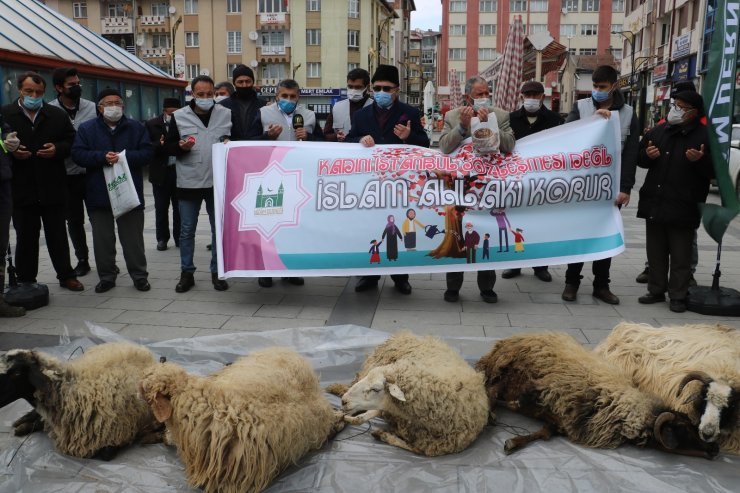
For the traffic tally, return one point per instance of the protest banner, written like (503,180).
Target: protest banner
(324,209)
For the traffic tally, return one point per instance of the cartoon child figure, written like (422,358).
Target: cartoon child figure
(486,244)
(375,251)
(518,239)
(393,234)
(409,229)
(470,245)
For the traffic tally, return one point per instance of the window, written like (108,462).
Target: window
(313,37)
(159,9)
(570,5)
(538,6)
(518,5)
(233,6)
(588,51)
(313,5)
(617,5)
(461,77)
(573,51)
(273,39)
(160,40)
(617,53)
(427,56)
(354,9)
(487,6)
(352,66)
(79,10)
(273,71)
(193,70)
(116,10)
(456,54)
(458,6)
(589,29)
(537,28)
(617,28)
(234,42)
(192,40)
(353,39)
(272,6)
(568,29)
(191,7)
(457,29)
(428,74)
(230,69)
(487,30)
(314,70)
(590,6)
(486,54)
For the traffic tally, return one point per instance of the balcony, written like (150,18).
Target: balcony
(154,24)
(154,53)
(273,54)
(279,20)
(117,25)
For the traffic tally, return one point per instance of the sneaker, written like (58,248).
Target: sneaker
(489,296)
(651,298)
(678,306)
(82,268)
(186,282)
(642,277)
(451,296)
(570,292)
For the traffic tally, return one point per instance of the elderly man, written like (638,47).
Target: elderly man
(477,103)
(39,175)
(97,145)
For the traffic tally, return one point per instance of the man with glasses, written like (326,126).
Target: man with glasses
(69,98)
(676,155)
(339,121)
(387,121)
(39,174)
(97,145)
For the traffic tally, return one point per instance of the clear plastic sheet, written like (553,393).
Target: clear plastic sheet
(355,462)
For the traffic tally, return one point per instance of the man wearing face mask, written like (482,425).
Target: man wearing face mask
(223,90)
(531,118)
(97,145)
(244,105)
(46,136)
(604,99)
(387,121)
(339,121)
(676,155)
(193,131)
(163,177)
(69,91)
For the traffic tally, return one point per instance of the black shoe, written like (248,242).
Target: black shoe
(117,270)
(489,296)
(366,284)
(403,287)
(161,246)
(452,296)
(218,284)
(186,282)
(208,247)
(570,292)
(651,298)
(104,286)
(543,275)
(678,306)
(295,281)
(692,281)
(142,284)
(264,282)
(643,276)
(606,296)
(83,267)
(511,273)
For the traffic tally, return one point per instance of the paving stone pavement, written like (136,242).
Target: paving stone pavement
(525,303)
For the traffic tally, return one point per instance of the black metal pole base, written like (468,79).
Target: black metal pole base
(708,301)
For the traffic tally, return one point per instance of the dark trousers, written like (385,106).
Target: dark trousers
(600,269)
(470,254)
(130,234)
(486,280)
(164,195)
(6,211)
(503,235)
(669,255)
(76,215)
(27,222)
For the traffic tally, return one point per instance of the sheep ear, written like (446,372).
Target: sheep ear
(396,392)
(161,407)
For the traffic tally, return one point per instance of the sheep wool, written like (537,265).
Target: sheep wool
(238,428)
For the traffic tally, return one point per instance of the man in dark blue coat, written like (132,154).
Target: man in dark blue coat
(97,145)
(387,121)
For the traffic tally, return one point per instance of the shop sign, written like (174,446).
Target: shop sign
(307,91)
(662,92)
(681,45)
(660,72)
(684,69)
(623,82)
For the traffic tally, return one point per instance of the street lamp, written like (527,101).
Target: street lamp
(631,40)
(174,31)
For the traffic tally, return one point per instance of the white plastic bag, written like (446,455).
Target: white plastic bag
(120,185)
(485,134)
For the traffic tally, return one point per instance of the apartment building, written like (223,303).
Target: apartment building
(430,41)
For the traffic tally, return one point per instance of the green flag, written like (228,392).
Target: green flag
(719,95)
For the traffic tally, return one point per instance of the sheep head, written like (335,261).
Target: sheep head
(675,433)
(716,404)
(374,392)
(158,385)
(23,373)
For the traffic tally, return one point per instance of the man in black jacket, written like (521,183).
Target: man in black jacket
(531,118)
(162,176)
(244,105)
(39,180)
(676,155)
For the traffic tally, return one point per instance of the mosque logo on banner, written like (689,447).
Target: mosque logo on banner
(270,200)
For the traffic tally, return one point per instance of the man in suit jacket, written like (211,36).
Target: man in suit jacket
(387,121)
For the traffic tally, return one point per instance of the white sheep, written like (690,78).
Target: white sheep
(88,406)
(432,400)
(236,429)
(667,360)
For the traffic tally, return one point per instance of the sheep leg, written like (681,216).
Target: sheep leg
(28,423)
(517,442)
(391,439)
(339,424)
(362,418)
(153,433)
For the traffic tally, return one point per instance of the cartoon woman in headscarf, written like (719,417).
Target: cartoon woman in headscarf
(394,234)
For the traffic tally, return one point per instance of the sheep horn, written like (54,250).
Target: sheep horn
(694,375)
(662,419)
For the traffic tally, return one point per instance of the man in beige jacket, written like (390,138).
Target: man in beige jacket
(456,130)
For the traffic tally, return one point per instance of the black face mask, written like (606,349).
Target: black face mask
(74,92)
(245,92)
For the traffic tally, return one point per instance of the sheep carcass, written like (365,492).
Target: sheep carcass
(550,376)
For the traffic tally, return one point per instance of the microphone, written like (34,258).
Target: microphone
(297,122)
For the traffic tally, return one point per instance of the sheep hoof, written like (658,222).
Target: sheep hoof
(28,423)
(509,447)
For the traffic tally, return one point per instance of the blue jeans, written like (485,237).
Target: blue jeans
(189,211)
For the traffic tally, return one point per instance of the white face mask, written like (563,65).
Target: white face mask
(204,103)
(112,113)
(480,103)
(355,95)
(218,99)
(532,105)
(675,116)
(167,118)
